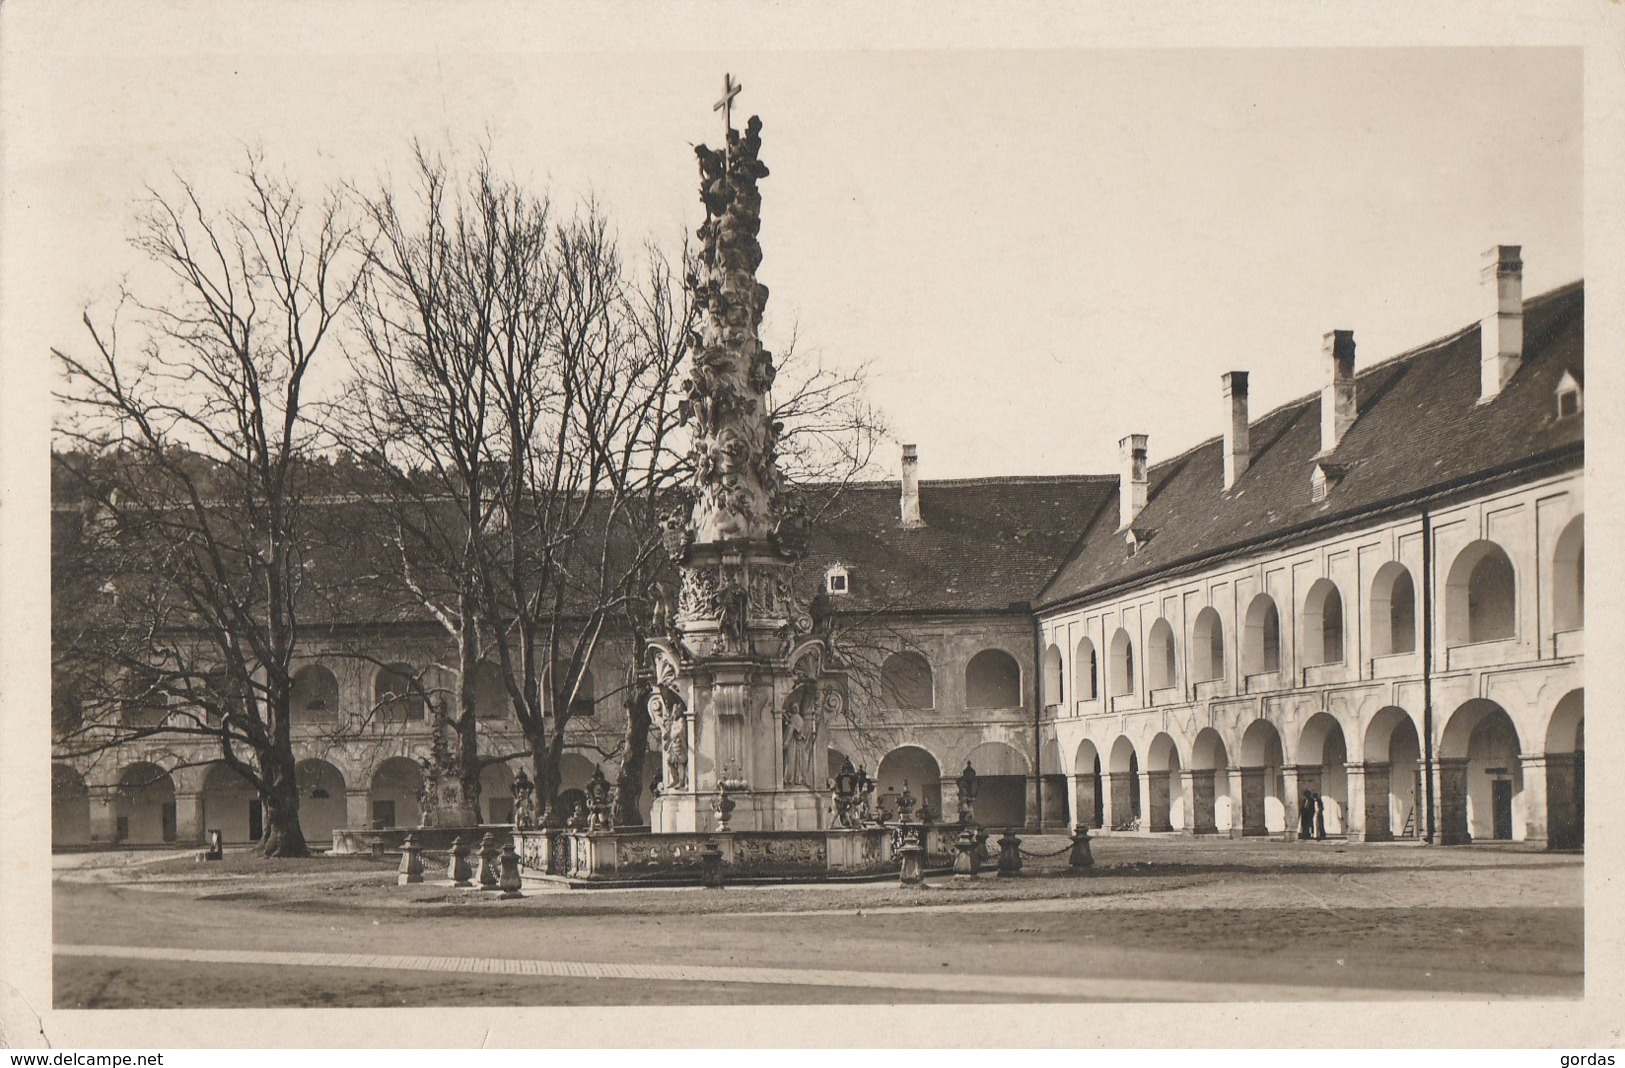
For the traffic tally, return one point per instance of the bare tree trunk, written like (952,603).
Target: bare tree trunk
(629,783)
(282,837)
(465,718)
(544,758)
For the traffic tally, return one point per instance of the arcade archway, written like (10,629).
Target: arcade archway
(1480,776)
(1393,784)
(914,767)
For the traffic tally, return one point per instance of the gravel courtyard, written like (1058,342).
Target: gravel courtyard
(1156,920)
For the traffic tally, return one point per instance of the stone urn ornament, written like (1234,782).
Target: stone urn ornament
(723,806)
(906,803)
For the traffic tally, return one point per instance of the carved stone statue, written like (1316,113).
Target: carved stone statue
(735,437)
(800,734)
(673,728)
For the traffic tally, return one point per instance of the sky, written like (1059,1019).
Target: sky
(1035,252)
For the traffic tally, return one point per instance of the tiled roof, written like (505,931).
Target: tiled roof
(1419,430)
(985,545)
(989,545)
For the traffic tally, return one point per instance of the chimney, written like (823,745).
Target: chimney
(1337,395)
(911,487)
(1501,333)
(1238,450)
(1132,488)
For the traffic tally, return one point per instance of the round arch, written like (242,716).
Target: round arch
(1565,772)
(70,807)
(231,805)
(1207,646)
(1392,752)
(496,793)
(397,695)
(1211,811)
(322,806)
(1122,665)
(1322,756)
(1323,623)
(1263,786)
(1161,661)
(1088,803)
(1054,681)
(315,696)
(1165,785)
(144,805)
(1261,640)
(393,793)
(907,682)
(1568,577)
(915,767)
(1123,801)
(575,772)
(1480,775)
(992,680)
(1085,671)
(585,702)
(1393,610)
(1001,784)
(1481,598)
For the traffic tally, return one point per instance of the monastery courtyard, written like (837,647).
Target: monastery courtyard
(1164,919)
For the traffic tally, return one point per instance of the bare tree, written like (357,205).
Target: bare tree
(515,410)
(191,444)
(519,416)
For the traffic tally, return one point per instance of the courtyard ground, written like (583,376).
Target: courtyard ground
(1157,920)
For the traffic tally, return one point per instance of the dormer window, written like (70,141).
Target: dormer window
(1325,476)
(835,580)
(1569,399)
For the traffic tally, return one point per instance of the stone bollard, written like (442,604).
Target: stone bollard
(912,870)
(376,848)
(487,873)
(411,869)
(1081,858)
(711,865)
(1009,854)
(458,870)
(965,864)
(509,883)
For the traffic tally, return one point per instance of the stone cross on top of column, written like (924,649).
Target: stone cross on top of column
(730,89)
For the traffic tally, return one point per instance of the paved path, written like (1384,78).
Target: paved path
(1042,987)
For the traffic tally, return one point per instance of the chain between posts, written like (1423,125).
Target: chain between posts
(1044,856)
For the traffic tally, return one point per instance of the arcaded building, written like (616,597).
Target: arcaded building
(1374,593)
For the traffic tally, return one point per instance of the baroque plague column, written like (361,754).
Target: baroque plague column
(744,692)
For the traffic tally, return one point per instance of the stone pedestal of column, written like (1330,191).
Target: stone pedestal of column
(1234,784)
(1120,787)
(1292,788)
(1535,796)
(1158,801)
(189,818)
(1451,773)
(1204,792)
(1085,805)
(1376,785)
(1355,815)
(1251,785)
(1565,805)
